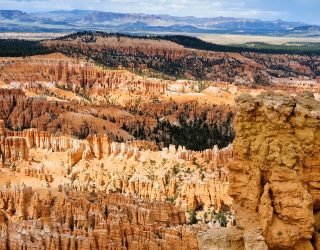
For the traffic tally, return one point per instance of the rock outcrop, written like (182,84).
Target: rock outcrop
(221,238)
(13,149)
(218,158)
(20,111)
(77,76)
(275,178)
(14,145)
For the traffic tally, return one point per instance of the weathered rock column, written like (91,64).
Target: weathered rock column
(275,175)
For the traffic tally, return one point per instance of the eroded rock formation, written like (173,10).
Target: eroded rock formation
(216,156)
(147,55)
(78,76)
(148,209)
(275,178)
(74,221)
(14,145)
(167,178)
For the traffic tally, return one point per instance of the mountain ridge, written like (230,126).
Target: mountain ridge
(78,20)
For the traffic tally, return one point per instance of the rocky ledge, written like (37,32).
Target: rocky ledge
(275,175)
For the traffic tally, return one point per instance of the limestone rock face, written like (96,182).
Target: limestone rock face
(222,239)
(14,145)
(254,240)
(216,156)
(13,148)
(275,177)
(76,152)
(78,76)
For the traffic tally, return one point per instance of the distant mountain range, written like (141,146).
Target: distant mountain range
(77,20)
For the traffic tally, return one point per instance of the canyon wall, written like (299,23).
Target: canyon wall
(78,76)
(275,175)
(15,145)
(159,57)
(21,111)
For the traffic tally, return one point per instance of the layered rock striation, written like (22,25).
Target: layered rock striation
(78,76)
(15,145)
(29,220)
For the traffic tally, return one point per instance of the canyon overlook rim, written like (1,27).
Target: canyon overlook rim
(274,176)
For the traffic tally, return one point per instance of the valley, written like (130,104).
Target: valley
(111,141)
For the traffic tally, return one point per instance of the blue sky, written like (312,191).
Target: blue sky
(292,10)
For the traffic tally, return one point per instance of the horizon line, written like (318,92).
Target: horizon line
(181,16)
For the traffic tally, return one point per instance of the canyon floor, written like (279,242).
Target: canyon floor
(240,39)
(116,142)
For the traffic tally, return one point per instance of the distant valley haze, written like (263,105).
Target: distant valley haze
(291,10)
(255,17)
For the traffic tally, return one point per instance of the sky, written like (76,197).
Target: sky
(290,10)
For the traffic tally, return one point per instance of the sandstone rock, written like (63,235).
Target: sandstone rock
(275,167)
(80,77)
(14,145)
(76,223)
(253,239)
(316,243)
(303,245)
(221,239)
